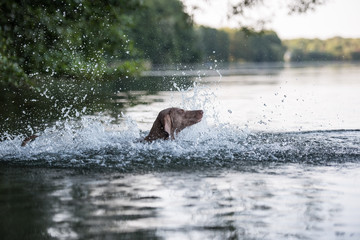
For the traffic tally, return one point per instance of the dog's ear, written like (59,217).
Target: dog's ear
(168,125)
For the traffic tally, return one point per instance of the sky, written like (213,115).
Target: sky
(334,18)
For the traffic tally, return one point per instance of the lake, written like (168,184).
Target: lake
(276,156)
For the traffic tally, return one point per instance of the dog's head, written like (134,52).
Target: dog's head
(176,119)
(171,121)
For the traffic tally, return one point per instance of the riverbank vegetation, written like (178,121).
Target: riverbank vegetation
(333,49)
(106,40)
(101,40)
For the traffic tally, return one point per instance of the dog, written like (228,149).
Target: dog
(171,121)
(168,123)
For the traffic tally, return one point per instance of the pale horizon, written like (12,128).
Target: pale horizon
(333,19)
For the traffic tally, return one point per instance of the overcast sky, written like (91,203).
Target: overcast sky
(335,18)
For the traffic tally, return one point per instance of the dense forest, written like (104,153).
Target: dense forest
(97,40)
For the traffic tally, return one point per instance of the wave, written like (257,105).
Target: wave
(91,144)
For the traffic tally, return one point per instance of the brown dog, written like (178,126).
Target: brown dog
(171,121)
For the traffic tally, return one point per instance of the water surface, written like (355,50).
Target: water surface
(276,156)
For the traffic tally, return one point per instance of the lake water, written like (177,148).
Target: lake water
(277,156)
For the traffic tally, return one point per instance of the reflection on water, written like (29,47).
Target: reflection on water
(279,202)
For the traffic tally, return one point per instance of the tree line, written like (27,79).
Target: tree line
(333,49)
(103,39)
(96,40)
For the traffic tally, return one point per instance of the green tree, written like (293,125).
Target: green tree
(62,38)
(336,48)
(214,44)
(248,45)
(164,33)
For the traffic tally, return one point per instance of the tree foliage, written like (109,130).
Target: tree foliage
(93,40)
(241,11)
(239,7)
(164,33)
(240,45)
(214,44)
(337,49)
(251,46)
(73,38)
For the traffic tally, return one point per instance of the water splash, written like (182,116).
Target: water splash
(97,142)
(92,144)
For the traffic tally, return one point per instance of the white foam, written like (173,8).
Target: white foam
(72,138)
